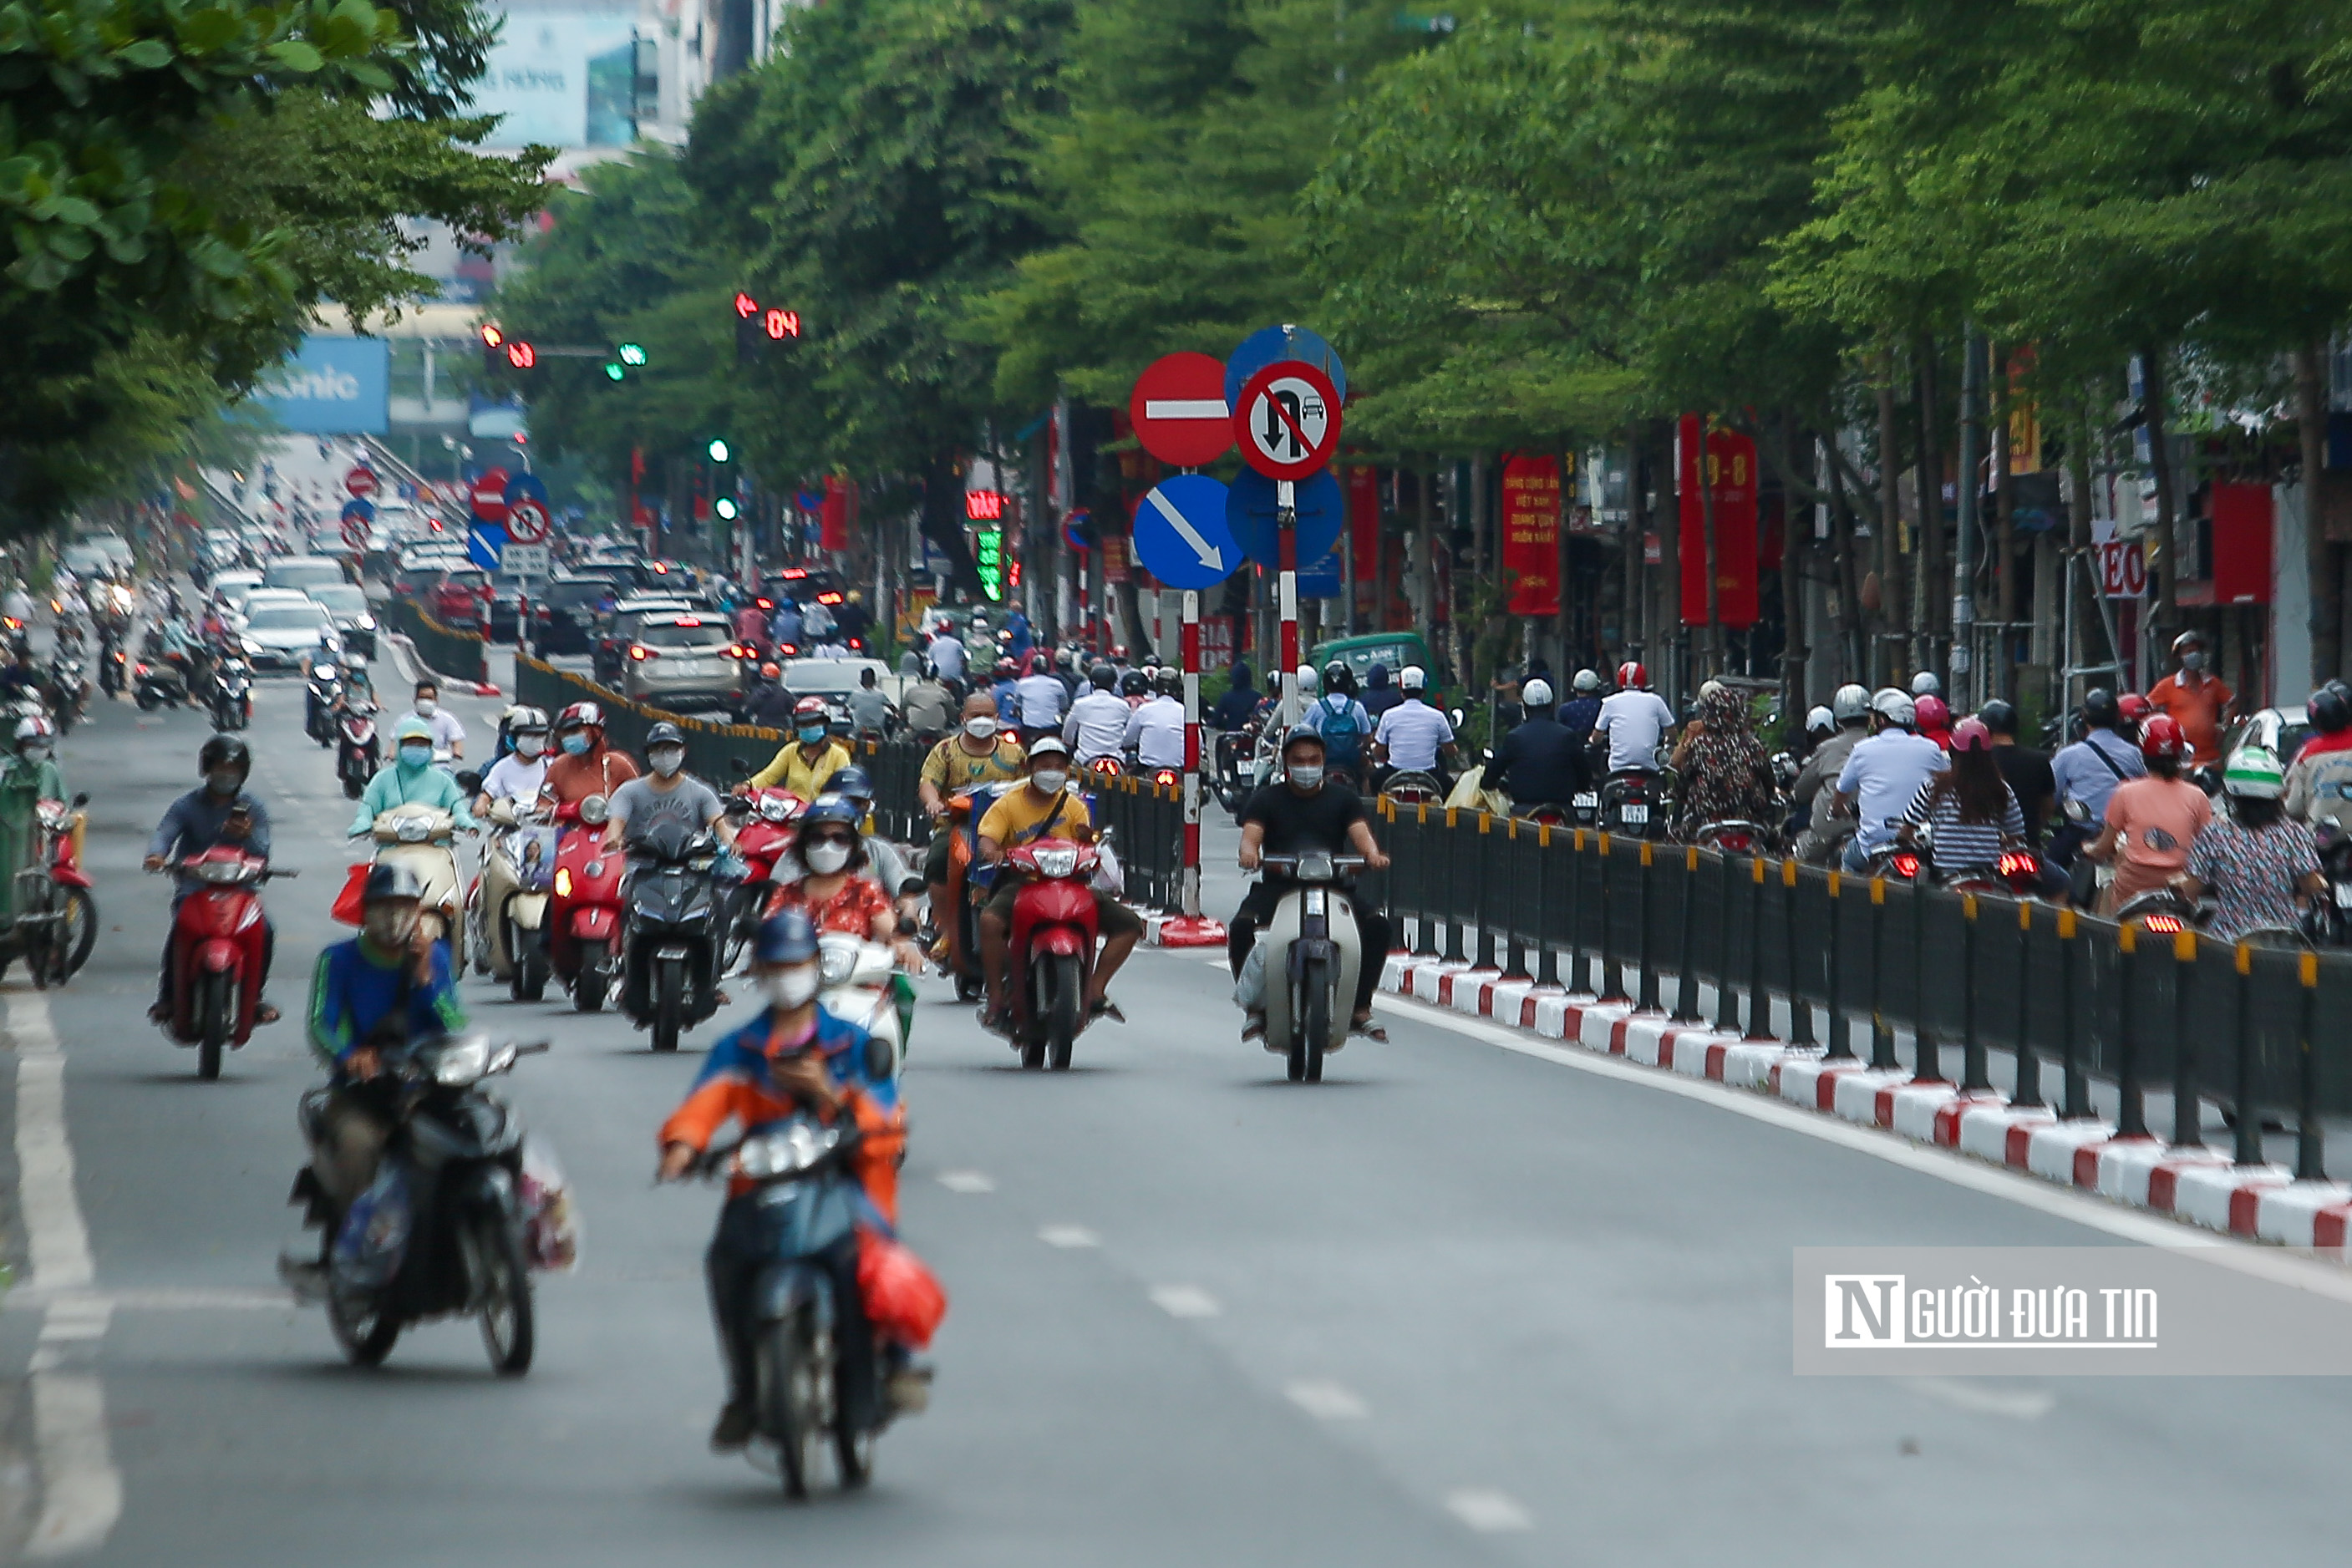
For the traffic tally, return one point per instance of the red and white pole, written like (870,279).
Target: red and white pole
(1286,529)
(1189,928)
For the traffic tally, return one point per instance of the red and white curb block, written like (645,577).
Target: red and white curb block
(1180,930)
(2194,1184)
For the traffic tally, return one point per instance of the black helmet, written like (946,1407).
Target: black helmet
(1338,677)
(1134,684)
(2328,710)
(2100,708)
(1171,681)
(1302,734)
(664,734)
(224,751)
(2001,717)
(390,879)
(1102,678)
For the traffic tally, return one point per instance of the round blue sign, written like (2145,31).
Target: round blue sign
(1181,532)
(1267,344)
(363,510)
(525,486)
(1250,507)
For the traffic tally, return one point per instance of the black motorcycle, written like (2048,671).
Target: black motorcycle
(2330,921)
(232,694)
(813,1353)
(71,688)
(157,683)
(323,691)
(677,923)
(358,754)
(1635,804)
(444,1227)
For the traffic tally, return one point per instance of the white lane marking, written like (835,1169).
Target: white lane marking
(966,1181)
(1068,1236)
(81,1491)
(1185,1301)
(1487,1510)
(2017,1404)
(2273,1263)
(170,1299)
(1326,1401)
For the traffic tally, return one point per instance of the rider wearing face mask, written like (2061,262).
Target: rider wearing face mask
(835,888)
(410,779)
(980,754)
(668,793)
(808,765)
(448,735)
(1047,808)
(522,772)
(584,764)
(217,811)
(1293,815)
(28,774)
(793,1054)
(2195,698)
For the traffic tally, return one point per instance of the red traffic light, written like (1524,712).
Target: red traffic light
(745,306)
(491,336)
(521,355)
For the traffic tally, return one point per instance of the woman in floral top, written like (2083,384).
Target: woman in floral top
(832,890)
(2255,861)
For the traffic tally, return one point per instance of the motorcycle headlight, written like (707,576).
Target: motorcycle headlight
(462,1061)
(220,871)
(564,882)
(1057,863)
(836,964)
(1315,867)
(367,622)
(413,831)
(793,1148)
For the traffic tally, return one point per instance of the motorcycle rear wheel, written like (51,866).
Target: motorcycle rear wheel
(669,1003)
(215,1021)
(508,1323)
(588,988)
(527,961)
(1066,992)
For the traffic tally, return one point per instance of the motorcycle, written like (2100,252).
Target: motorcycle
(962,960)
(423,839)
(519,871)
(158,684)
(2160,911)
(358,754)
(451,1224)
(114,668)
(1050,953)
(1413,787)
(807,1205)
(232,694)
(764,832)
(670,957)
(1311,954)
(860,982)
(72,689)
(583,922)
(322,693)
(2331,915)
(1634,803)
(56,915)
(218,940)
(1733,835)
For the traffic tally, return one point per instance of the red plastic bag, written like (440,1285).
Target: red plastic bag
(347,902)
(903,1300)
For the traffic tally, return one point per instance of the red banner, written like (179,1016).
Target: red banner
(833,516)
(2241,544)
(1531,533)
(1364,484)
(1731,476)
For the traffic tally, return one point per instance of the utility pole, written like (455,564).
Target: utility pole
(1964,569)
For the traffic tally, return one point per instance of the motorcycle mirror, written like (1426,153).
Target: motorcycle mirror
(470,782)
(1455,716)
(78,801)
(741,764)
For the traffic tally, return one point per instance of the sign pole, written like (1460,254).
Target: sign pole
(1286,528)
(1189,928)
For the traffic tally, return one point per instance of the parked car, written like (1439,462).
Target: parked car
(355,619)
(682,660)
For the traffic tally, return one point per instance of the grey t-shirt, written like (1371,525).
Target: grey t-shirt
(639,808)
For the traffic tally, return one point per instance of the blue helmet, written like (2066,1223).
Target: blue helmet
(785,938)
(829,806)
(853,781)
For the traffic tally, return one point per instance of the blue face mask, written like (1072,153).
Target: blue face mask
(812,733)
(416,757)
(575,744)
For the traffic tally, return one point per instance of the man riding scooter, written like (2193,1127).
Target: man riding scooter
(219,812)
(517,776)
(1044,807)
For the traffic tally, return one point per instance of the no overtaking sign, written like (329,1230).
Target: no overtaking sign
(1287,420)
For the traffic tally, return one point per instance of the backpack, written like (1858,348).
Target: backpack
(1343,735)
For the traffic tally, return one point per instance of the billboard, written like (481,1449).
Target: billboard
(332,386)
(564,75)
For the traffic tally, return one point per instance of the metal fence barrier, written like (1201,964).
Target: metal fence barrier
(447,653)
(1965,974)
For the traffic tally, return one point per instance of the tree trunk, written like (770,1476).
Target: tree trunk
(1425,605)
(1889,614)
(2166,556)
(2319,555)
(1934,595)
(1795,653)
(1635,633)
(1853,652)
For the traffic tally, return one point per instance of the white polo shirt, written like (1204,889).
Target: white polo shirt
(1635,722)
(1413,732)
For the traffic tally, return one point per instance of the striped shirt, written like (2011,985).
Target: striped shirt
(1961,845)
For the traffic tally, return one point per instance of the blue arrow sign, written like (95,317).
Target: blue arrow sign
(1250,508)
(486,543)
(1267,344)
(525,486)
(1180,534)
(356,508)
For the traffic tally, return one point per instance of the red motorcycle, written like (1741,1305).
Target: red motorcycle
(217,942)
(583,922)
(1051,955)
(761,835)
(57,917)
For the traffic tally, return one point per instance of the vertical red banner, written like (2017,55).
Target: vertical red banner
(833,518)
(1531,532)
(1730,460)
(2241,544)
(1364,515)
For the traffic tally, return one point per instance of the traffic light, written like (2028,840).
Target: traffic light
(718,449)
(632,354)
(988,555)
(726,509)
(760,328)
(615,371)
(500,353)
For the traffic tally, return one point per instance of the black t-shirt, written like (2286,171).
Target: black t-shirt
(2031,781)
(1296,823)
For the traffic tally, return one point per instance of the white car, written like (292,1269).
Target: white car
(280,630)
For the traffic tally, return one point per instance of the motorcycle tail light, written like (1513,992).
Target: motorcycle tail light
(1907,865)
(640,650)
(2014,863)
(564,882)
(2163,925)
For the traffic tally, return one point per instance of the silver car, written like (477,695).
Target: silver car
(279,634)
(682,660)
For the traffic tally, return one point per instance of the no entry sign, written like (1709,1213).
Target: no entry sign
(487,497)
(360,482)
(1178,409)
(1287,420)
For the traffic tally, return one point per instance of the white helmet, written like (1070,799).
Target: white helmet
(1310,682)
(1414,678)
(1820,722)
(1536,693)
(1926,684)
(1896,707)
(1850,704)
(1587,681)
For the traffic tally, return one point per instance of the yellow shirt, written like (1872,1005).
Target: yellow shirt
(1018,810)
(949,768)
(798,774)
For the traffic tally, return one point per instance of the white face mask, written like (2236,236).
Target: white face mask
(427,707)
(1049,780)
(528,746)
(790,988)
(826,858)
(668,760)
(982,728)
(1308,776)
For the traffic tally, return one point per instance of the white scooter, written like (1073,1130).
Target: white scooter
(1312,955)
(423,839)
(856,985)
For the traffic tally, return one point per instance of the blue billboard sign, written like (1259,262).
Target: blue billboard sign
(332,386)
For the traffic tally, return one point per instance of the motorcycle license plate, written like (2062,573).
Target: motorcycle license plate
(1587,801)
(2344,895)
(666,953)
(1636,815)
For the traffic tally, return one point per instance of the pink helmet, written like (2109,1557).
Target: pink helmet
(1971,733)
(1932,711)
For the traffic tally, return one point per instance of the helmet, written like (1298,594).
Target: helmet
(1586,681)
(2133,707)
(786,938)
(1310,682)
(1999,716)
(1895,706)
(2253,772)
(1048,746)
(771,671)
(224,751)
(390,879)
(2100,708)
(1706,689)
(411,728)
(526,720)
(2161,736)
(1536,693)
(1338,677)
(1134,684)
(1414,678)
(1064,660)
(35,728)
(1931,712)
(2328,710)
(829,806)
(1820,721)
(665,734)
(1036,662)
(808,708)
(2188,640)
(1171,681)
(1631,677)
(1850,704)
(1926,684)
(1971,735)
(853,781)
(580,713)
(1102,678)
(1302,732)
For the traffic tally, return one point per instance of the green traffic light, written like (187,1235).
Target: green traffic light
(719,451)
(616,372)
(727,508)
(633,353)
